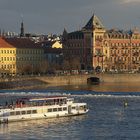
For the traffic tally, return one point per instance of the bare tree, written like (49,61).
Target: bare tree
(43,67)
(26,69)
(66,65)
(75,63)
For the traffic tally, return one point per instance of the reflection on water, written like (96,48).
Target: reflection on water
(104,87)
(41,129)
(107,118)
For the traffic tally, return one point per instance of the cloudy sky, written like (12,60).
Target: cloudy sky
(52,16)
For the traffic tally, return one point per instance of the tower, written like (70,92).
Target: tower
(22,30)
(93,38)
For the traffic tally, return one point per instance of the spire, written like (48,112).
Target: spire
(65,32)
(64,36)
(93,23)
(22,30)
(3,33)
(0,32)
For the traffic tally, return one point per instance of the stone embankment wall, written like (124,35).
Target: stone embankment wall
(82,79)
(70,79)
(23,82)
(120,77)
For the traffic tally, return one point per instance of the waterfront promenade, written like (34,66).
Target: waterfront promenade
(31,81)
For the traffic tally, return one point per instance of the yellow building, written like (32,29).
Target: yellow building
(57,45)
(19,56)
(7,57)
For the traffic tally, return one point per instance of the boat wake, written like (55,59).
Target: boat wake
(72,93)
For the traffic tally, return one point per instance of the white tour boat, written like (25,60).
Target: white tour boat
(37,108)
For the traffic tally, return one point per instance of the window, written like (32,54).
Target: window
(28,111)
(17,112)
(34,111)
(50,110)
(64,108)
(81,107)
(54,109)
(59,109)
(12,113)
(23,112)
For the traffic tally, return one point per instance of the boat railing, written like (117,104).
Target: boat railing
(21,105)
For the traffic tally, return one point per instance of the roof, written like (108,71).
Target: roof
(4,44)
(46,43)
(117,33)
(76,33)
(94,22)
(48,98)
(22,43)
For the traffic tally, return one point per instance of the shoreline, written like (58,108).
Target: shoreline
(50,81)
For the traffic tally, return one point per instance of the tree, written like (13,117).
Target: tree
(43,67)
(26,69)
(75,63)
(72,64)
(66,65)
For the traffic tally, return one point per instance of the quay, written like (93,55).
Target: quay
(31,81)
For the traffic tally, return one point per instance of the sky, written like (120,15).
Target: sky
(52,16)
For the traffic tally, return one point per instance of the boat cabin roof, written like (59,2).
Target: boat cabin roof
(48,98)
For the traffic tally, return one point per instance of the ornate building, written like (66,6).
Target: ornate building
(102,49)
(124,47)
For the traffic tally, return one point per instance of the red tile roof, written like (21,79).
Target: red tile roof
(4,44)
(22,43)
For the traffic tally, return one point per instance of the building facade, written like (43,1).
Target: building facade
(20,56)
(99,48)
(86,44)
(124,47)
(7,58)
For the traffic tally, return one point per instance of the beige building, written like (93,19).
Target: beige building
(102,49)
(87,45)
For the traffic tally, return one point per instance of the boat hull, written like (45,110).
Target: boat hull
(7,116)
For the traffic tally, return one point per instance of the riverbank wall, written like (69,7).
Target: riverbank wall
(82,79)
(23,82)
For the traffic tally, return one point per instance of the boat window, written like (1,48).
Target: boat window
(73,107)
(28,111)
(17,112)
(59,109)
(64,108)
(34,111)
(23,112)
(12,113)
(54,109)
(81,107)
(50,110)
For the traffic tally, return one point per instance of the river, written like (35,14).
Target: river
(107,118)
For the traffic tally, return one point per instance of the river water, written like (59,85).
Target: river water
(107,118)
